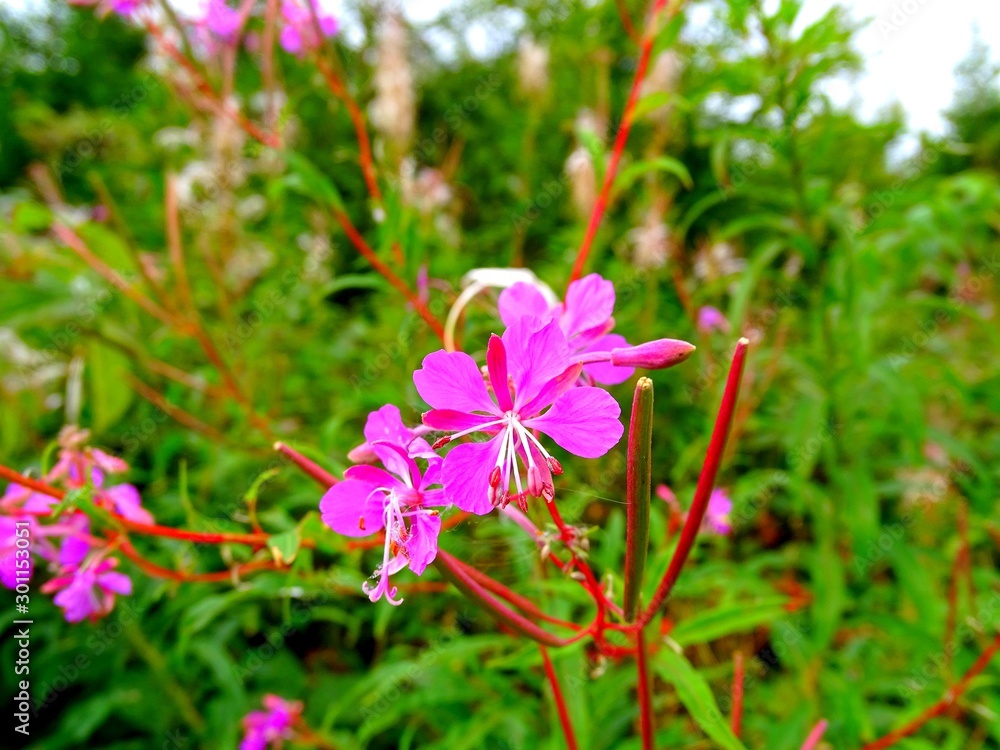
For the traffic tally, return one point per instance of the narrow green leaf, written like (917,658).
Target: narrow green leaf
(696,695)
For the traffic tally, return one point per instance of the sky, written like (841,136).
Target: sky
(911,49)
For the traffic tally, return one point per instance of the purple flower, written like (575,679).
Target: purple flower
(397,498)
(716,519)
(531,357)
(584,318)
(298,34)
(88,591)
(15,568)
(710,319)
(222,20)
(262,728)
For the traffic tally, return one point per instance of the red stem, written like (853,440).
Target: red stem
(150,529)
(706,482)
(338,89)
(815,735)
(604,197)
(517,621)
(947,701)
(737,717)
(645,697)
(379,265)
(317,472)
(567,725)
(522,603)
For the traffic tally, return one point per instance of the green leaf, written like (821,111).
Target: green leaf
(738,617)
(660,164)
(696,695)
(31,217)
(308,180)
(109,397)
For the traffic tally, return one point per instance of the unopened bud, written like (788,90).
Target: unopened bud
(653,355)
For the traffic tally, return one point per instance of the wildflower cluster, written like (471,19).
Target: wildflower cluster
(85,580)
(539,384)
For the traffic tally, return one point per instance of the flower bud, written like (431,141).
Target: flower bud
(653,355)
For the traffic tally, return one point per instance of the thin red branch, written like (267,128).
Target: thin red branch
(447,564)
(627,22)
(324,478)
(947,701)
(706,483)
(646,727)
(206,90)
(737,717)
(78,246)
(815,735)
(522,603)
(176,413)
(564,720)
(338,89)
(604,197)
(379,265)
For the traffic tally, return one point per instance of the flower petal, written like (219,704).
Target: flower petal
(452,380)
(353,507)
(387,424)
(467,475)
(118,583)
(605,372)
(422,546)
(583,421)
(536,353)
(496,366)
(450,420)
(128,503)
(521,299)
(590,301)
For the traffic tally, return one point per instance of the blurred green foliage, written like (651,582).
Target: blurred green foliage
(867,286)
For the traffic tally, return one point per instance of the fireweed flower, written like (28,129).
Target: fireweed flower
(222,20)
(87,582)
(89,591)
(585,319)
(532,358)
(305,26)
(716,519)
(711,319)
(269,728)
(397,498)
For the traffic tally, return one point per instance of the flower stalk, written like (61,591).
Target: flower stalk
(638,484)
(706,483)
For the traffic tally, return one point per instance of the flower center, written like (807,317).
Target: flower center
(516,439)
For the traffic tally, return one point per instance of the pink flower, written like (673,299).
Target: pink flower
(584,318)
(710,319)
(299,33)
(531,356)
(397,498)
(716,519)
(89,591)
(262,728)
(222,20)
(15,568)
